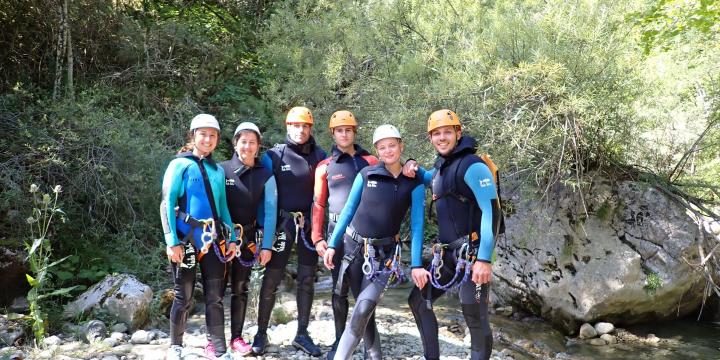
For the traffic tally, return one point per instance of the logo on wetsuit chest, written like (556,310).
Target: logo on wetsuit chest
(372,183)
(285,168)
(337,177)
(229,182)
(485,182)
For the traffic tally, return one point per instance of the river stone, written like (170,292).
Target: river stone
(121,296)
(19,305)
(118,336)
(52,341)
(604,328)
(94,330)
(10,331)
(598,342)
(569,268)
(587,331)
(142,337)
(110,342)
(609,338)
(119,327)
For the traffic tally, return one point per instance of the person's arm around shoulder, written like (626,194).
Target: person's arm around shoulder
(346,216)
(480,180)
(411,169)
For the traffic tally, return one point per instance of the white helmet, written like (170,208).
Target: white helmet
(385,131)
(204,121)
(247,126)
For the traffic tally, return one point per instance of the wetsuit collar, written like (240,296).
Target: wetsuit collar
(380,170)
(239,167)
(189,154)
(304,149)
(359,151)
(466,145)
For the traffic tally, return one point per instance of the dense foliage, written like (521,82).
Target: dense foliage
(96,95)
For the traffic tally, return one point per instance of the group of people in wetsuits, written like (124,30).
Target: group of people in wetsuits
(226,217)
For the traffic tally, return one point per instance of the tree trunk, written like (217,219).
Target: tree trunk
(59,58)
(68,35)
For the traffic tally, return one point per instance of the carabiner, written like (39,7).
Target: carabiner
(239,233)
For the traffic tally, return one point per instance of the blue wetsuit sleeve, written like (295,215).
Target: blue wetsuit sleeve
(425,175)
(480,181)
(266,161)
(224,210)
(172,189)
(269,209)
(417,223)
(348,211)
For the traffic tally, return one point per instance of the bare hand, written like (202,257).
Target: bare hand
(265,256)
(481,272)
(420,277)
(321,247)
(328,258)
(410,168)
(175,253)
(232,248)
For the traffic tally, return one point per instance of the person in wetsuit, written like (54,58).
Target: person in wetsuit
(293,164)
(369,225)
(333,178)
(194,214)
(251,195)
(468,213)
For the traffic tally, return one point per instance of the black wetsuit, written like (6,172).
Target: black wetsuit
(462,186)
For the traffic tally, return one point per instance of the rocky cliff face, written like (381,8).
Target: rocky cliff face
(625,262)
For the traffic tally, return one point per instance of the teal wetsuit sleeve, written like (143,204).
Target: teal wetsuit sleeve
(425,175)
(417,224)
(223,210)
(266,161)
(348,211)
(172,189)
(269,212)
(480,181)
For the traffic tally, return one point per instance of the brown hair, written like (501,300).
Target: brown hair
(190,144)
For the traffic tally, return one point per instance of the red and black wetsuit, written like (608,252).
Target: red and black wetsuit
(334,177)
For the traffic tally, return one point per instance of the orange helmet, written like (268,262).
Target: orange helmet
(342,118)
(299,114)
(442,117)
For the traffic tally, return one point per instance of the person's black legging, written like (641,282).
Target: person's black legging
(367,295)
(307,267)
(239,281)
(474,306)
(340,302)
(212,272)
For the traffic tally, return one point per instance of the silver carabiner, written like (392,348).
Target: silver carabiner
(208,236)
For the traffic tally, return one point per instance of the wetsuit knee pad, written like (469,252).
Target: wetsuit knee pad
(364,309)
(481,339)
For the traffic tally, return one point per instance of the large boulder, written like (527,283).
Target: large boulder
(122,296)
(625,262)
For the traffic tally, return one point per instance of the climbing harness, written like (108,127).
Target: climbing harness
(465,256)
(254,249)
(299,222)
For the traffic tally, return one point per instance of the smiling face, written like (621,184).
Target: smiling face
(247,146)
(205,140)
(445,138)
(299,132)
(344,136)
(389,150)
